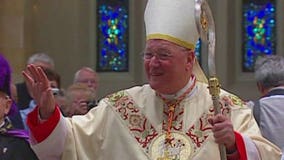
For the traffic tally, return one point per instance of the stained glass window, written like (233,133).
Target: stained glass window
(259,31)
(198,50)
(112,35)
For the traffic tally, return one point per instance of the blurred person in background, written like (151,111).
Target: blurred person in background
(87,76)
(6,82)
(14,142)
(268,110)
(38,59)
(61,101)
(80,99)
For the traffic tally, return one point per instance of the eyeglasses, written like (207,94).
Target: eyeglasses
(147,56)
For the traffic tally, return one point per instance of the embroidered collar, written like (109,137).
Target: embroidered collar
(172,104)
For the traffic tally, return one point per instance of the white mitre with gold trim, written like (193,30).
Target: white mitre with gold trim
(173,20)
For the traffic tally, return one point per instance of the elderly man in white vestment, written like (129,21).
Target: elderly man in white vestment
(171,118)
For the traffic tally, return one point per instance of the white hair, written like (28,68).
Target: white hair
(41,57)
(269,71)
(77,74)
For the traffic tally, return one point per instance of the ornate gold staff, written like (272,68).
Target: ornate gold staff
(206,28)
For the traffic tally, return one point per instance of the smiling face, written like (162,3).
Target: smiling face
(167,65)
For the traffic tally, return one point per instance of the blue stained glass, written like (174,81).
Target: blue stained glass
(259,31)
(198,50)
(112,31)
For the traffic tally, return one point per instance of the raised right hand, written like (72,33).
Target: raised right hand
(39,87)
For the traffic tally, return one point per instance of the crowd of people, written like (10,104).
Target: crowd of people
(171,117)
(17,102)
(85,76)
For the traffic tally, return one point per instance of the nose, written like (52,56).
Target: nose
(154,61)
(89,83)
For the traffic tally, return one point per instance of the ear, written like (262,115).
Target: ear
(261,89)
(8,105)
(190,60)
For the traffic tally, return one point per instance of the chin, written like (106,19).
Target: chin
(153,85)
(157,87)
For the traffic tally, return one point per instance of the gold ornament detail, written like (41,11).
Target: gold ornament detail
(204,21)
(180,147)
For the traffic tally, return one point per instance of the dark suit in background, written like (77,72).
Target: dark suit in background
(24,97)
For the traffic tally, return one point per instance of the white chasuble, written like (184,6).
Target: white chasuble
(130,125)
